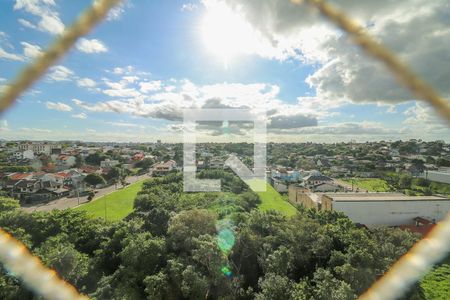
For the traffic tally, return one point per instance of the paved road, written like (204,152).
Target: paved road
(66,202)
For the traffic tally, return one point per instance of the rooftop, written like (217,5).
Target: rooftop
(381,197)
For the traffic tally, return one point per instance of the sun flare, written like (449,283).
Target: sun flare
(226,33)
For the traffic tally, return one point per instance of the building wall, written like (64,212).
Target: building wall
(306,200)
(437,176)
(392,213)
(327,203)
(299,195)
(292,193)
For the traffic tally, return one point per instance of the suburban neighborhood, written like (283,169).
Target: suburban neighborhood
(371,177)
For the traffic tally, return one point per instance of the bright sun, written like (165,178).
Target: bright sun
(226,34)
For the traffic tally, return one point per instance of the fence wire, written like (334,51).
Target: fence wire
(373,48)
(82,26)
(407,270)
(21,263)
(13,254)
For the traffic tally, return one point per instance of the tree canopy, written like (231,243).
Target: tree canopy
(177,245)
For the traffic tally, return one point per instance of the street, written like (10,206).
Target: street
(63,203)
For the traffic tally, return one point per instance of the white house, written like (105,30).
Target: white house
(109,163)
(28,154)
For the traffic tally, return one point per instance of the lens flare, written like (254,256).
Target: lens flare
(226,240)
(226,271)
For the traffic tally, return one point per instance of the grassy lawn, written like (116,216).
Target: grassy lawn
(118,204)
(272,200)
(370,184)
(436,284)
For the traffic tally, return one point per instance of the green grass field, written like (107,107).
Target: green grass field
(436,284)
(118,204)
(369,184)
(272,200)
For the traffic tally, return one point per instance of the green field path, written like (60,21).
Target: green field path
(369,184)
(118,204)
(272,200)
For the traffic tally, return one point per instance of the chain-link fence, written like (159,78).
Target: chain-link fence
(407,270)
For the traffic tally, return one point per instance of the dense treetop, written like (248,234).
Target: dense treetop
(177,245)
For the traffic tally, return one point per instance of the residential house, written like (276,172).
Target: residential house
(315,177)
(65,162)
(138,157)
(326,187)
(278,185)
(216,163)
(108,163)
(286,174)
(164,167)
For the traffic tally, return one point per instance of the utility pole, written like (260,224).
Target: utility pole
(78,192)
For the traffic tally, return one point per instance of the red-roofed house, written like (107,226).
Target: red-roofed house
(138,157)
(164,168)
(65,161)
(421,226)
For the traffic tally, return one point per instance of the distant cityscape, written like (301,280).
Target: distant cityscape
(373,183)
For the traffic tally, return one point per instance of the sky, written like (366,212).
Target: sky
(132,76)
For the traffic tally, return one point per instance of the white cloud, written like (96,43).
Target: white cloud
(35,7)
(350,128)
(424,120)
(170,88)
(130,79)
(30,50)
(10,56)
(117,11)
(58,106)
(28,24)
(189,7)
(343,72)
(60,73)
(123,124)
(150,86)
(38,130)
(4,126)
(7,54)
(86,82)
(80,116)
(49,20)
(168,105)
(124,88)
(118,70)
(122,93)
(128,70)
(91,46)
(391,109)
(51,24)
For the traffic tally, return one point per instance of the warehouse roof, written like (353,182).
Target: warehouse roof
(340,197)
